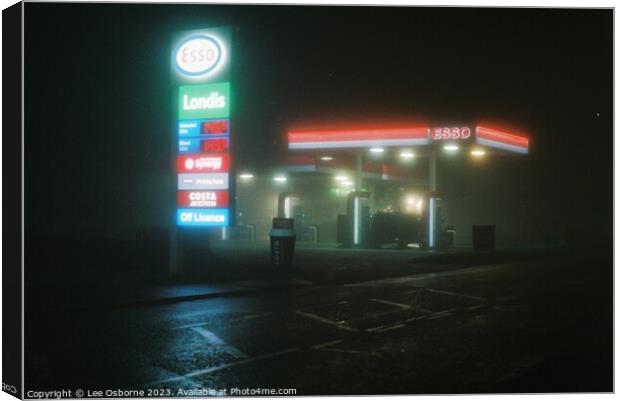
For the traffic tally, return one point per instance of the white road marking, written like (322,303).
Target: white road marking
(189,326)
(340,325)
(218,342)
(328,347)
(319,346)
(223,366)
(456,294)
(440,314)
(381,329)
(349,351)
(402,306)
(413,319)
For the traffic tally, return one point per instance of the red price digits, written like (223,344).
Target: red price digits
(215,146)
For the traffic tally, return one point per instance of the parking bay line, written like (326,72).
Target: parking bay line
(321,319)
(456,294)
(224,366)
(381,329)
(402,306)
(218,342)
(328,347)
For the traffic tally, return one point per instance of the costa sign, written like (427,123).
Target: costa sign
(202,198)
(450,133)
(198,55)
(202,163)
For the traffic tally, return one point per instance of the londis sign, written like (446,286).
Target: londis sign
(201,56)
(204,101)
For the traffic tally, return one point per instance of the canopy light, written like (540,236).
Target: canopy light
(327,158)
(341,178)
(407,155)
(478,152)
(279,178)
(451,148)
(347,183)
(246,176)
(377,150)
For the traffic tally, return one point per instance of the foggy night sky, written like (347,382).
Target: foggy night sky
(98,98)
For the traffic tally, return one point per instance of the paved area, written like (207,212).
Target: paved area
(536,325)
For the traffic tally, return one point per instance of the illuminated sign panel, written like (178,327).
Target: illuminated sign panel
(204,127)
(204,199)
(200,56)
(204,145)
(189,145)
(216,145)
(202,163)
(204,101)
(215,127)
(502,140)
(202,217)
(200,69)
(203,181)
(450,133)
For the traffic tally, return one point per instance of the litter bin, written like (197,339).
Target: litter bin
(484,238)
(282,237)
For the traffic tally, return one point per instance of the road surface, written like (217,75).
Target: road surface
(534,325)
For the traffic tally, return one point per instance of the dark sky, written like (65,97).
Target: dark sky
(98,95)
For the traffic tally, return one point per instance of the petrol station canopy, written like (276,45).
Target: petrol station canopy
(326,139)
(312,148)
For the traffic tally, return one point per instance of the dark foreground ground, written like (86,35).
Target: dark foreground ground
(374,322)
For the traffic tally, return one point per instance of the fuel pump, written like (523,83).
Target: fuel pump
(358,218)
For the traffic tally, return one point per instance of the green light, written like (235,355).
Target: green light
(204,101)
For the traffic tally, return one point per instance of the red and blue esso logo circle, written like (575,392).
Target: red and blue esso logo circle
(198,55)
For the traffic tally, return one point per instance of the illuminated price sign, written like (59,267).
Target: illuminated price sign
(200,69)
(215,127)
(204,145)
(215,145)
(451,133)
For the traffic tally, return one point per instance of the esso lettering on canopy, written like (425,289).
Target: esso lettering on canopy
(451,133)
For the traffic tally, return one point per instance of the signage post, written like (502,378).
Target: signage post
(200,73)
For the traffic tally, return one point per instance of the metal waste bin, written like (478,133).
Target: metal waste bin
(483,237)
(282,236)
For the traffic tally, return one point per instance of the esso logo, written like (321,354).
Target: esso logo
(198,55)
(447,133)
